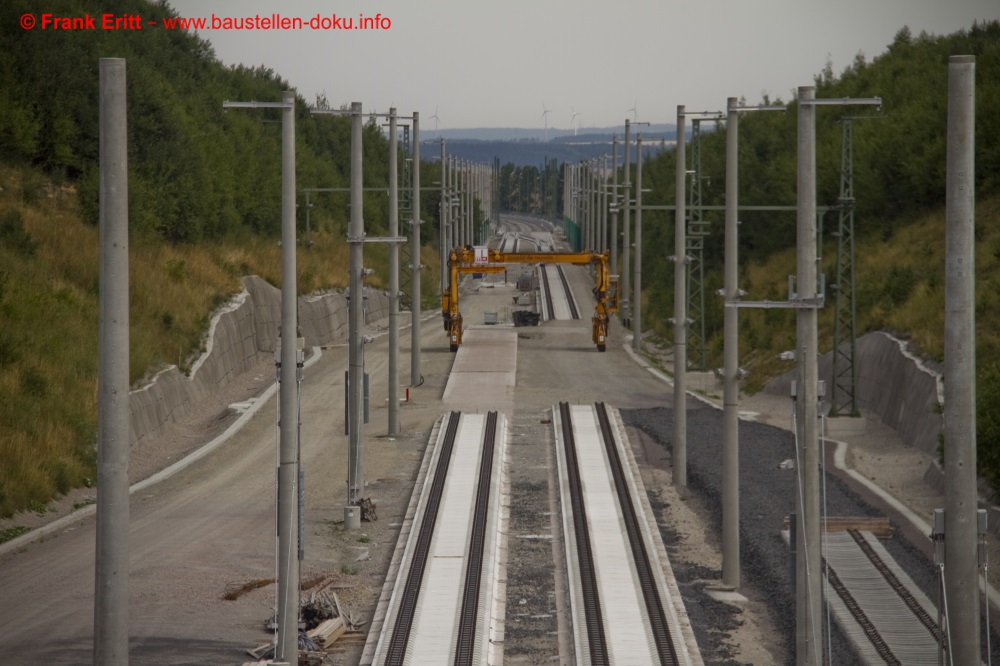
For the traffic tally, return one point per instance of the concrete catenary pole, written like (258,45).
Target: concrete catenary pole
(455,237)
(730,396)
(637,317)
(455,215)
(592,205)
(393,276)
(467,201)
(602,243)
(680,306)
(443,219)
(581,201)
(111,571)
(626,239)
(474,231)
(454,230)
(614,205)
(288,456)
(356,323)
(597,186)
(567,193)
(961,563)
(461,182)
(584,205)
(574,193)
(415,258)
(463,233)
(808,611)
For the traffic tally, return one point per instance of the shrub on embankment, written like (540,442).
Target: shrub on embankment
(204,210)
(899,167)
(49,308)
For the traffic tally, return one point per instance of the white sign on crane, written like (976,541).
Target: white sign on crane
(482,256)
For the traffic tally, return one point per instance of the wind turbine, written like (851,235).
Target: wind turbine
(576,125)
(545,117)
(635,111)
(435,117)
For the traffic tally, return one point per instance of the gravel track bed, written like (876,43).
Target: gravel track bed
(767,496)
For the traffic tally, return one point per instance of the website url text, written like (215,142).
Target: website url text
(213,22)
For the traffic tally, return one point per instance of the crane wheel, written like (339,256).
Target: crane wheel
(601,348)
(454,348)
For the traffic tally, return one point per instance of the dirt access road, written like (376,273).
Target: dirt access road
(211,527)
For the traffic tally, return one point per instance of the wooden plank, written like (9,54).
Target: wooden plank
(327,632)
(879,526)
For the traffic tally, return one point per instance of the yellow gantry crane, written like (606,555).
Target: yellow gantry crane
(481,260)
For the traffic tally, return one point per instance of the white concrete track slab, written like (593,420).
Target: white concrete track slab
(560,299)
(482,378)
(627,629)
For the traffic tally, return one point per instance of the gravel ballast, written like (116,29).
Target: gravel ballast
(767,496)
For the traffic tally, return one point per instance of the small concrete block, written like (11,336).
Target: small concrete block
(838,427)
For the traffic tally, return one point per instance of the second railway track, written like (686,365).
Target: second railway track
(557,296)
(622,609)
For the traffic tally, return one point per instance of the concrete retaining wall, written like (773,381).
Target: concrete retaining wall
(894,385)
(905,394)
(243,333)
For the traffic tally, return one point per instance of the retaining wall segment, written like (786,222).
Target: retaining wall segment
(893,384)
(906,395)
(243,333)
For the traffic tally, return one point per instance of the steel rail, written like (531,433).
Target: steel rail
(593,618)
(465,644)
(549,301)
(408,604)
(573,312)
(904,594)
(864,622)
(665,648)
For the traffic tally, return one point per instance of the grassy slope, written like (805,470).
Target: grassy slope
(899,287)
(49,309)
(48,344)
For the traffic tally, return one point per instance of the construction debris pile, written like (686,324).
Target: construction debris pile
(525,318)
(325,623)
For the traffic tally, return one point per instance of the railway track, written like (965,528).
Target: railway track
(558,304)
(443,606)
(573,312)
(443,597)
(619,606)
(880,609)
(549,300)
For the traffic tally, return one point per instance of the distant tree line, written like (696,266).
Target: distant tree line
(196,171)
(531,189)
(899,153)
(899,166)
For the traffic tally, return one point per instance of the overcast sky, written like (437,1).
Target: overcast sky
(482,63)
